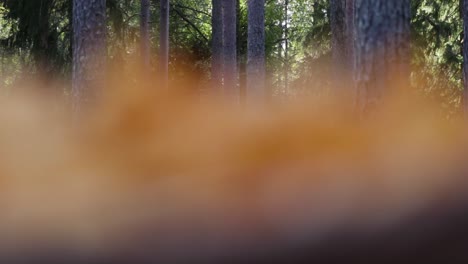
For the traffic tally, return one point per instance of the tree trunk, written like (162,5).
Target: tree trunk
(464,11)
(145,43)
(89,49)
(351,36)
(256,51)
(383,49)
(280,73)
(342,27)
(164,43)
(241,54)
(286,46)
(217,45)
(41,49)
(230,51)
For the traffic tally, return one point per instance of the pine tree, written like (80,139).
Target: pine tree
(256,51)
(145,33)
(164,43)
(89,49)
(229,49)
(217,45)
(286,67)
(382,48)
(342,41)
(464,12)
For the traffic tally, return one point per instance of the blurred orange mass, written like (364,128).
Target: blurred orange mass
(203,172)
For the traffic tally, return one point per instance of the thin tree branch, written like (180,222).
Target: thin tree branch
(181,15)
(192,9)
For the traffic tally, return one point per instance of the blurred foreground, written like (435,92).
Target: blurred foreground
(158,177)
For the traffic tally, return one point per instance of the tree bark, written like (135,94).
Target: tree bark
(286,46)
(145,44)
(256,51)
(338,36)
(241,54)
(351,35)
(41,49)
(464,12)
(383,49)
(230,52)
(164,43)
(217,45)
(342,27)
(89,50)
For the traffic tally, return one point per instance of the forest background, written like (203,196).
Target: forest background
(35,41)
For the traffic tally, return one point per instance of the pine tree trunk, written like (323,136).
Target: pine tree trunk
(342,27)
(145,33)
(338,41)
(464,11)
(41,49)
(164,43)
(230,52)
(286,46)
(351,48)
(241,54)
(217,45)
(351,35)
(89,50)
(280,73)
(382,49)
(256,51)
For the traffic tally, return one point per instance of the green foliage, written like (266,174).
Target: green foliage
(190,37)
(437,59)
(43,28)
